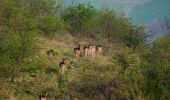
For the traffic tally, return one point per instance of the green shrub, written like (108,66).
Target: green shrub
(14,49)
(49,25)
(157,70)
(78,18)
(135,37)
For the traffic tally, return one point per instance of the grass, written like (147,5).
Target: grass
(41,73)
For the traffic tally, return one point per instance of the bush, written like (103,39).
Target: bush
(135,37)
(157,70)
(78,18)
(49,25)
(14,49)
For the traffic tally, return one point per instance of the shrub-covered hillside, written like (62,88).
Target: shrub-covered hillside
(129,68)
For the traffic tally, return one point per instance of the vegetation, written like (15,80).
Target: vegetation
(128,69)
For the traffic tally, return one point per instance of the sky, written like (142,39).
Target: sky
(149,13)
(141,11)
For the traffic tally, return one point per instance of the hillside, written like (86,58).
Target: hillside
(101,77)
(38,39)
(82,78)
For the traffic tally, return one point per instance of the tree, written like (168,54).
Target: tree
(49,25)
(167,24)
(78,18)
(17,35)
(111,25)
(41,7)
(157,71)
(135,36)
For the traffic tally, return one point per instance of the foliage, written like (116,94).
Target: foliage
(17,37)
(78,18)
(49,25)
(14,49)
(110,25)
(135,37)
(158,69)
(41,7)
